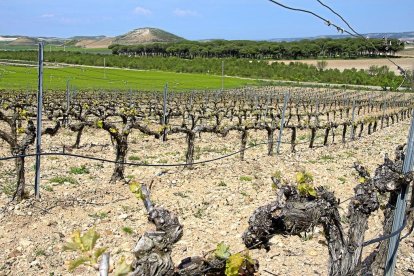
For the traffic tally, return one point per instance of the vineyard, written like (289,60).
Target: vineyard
(208,157)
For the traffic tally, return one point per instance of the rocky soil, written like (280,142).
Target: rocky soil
(213,200)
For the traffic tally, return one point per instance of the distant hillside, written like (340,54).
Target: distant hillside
(403,36)
(84,37)
(146,35)
(94,43)
(24,41)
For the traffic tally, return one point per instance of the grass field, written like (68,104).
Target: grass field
(50,47)
(19,77)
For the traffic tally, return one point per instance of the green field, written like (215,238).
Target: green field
(51,47)
(22,78)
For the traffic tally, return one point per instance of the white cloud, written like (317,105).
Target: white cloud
(181,12)
(142,11)
(47,15)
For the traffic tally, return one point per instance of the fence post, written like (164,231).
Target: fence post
(399,212)
(285,102)
(353,121)
(39,120)
(67,102)
(222,75)
(164,117)
(104,68)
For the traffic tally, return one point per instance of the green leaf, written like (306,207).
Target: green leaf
(306,190)
(312,192)
(77,262)
(89,239)
(122,268)
(99,124)
(304,177)
(235,262)
(76,239)
(136,189)
(98,252)
(71,246)
(222,251)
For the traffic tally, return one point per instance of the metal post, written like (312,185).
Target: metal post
(353,121)
(285,102)
(399,212)
(39,120)
(222,75)
(317,112)
(104,68)
(67,102)
(164,117)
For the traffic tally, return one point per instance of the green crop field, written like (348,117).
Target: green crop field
(20,77)
(52,47)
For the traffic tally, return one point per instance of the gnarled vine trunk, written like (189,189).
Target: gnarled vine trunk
(121,151)
(292,213)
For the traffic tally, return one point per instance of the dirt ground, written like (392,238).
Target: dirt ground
(342,64)
(213,201)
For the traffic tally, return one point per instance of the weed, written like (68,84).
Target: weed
(127,230)
(9,188)
(326,158)
(162,161)
(79,170)
(243,193)
(62,179)
(197,152)
(199,213)
(253,143)
(342,179)
(307,237)
(134,158)
(40,252)
(9,173)
(180,194)
(99,215)
(277,175)
(222,184)
(349,154)
(47,188)
(209,149)
(246,178)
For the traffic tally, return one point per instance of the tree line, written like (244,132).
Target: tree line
(318,48)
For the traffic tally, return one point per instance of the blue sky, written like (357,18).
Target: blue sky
(195,19)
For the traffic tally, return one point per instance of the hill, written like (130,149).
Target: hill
(403,36)
(146,35)
(94,43)
(24,41)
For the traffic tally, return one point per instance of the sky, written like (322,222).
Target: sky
(195,19)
